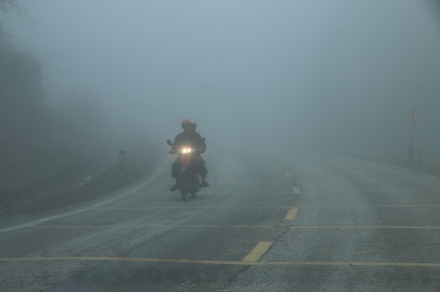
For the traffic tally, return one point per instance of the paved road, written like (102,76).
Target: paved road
(267,223)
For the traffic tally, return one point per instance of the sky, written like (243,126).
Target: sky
(321,75)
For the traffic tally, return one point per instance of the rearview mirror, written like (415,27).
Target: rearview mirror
(169,142)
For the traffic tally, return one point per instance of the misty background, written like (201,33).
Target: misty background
(333,76)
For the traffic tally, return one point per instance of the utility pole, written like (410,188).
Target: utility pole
(411,143)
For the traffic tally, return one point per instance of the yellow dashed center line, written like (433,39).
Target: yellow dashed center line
(258,251)
(150,226)
(289,175)
(291,214)
(296,190)
(211,262)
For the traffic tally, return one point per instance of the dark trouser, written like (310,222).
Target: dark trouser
(197,161)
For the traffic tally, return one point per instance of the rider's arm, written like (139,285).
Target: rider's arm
(174,149)
(203,146)
(201,143)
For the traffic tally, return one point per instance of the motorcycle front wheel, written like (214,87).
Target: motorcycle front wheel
(184,187)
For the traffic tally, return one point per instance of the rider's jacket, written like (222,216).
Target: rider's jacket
(192,139)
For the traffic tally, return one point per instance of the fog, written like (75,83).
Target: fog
(334,76)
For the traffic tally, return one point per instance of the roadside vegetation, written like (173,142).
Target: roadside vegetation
(46,151)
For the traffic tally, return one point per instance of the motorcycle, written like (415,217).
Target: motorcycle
(189,176)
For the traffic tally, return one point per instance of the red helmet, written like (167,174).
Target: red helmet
(187,122)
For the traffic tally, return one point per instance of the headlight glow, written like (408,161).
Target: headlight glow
(186,150)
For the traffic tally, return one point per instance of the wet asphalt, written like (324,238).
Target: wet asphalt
(332,223)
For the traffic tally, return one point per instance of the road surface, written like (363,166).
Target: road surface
(268,222)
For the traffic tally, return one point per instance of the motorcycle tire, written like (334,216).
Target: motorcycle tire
(184,190)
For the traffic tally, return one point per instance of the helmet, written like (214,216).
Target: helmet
(187,122)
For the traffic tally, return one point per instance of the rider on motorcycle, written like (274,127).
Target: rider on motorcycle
(189,137)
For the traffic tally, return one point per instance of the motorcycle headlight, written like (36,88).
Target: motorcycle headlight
(186,150)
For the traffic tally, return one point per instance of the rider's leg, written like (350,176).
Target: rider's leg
(175,167)
(203,171)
